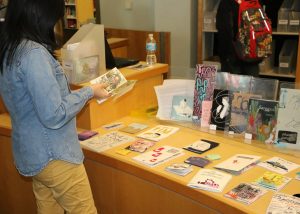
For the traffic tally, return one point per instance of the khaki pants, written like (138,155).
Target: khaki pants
(63,186)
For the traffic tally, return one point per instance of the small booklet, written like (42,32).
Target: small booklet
(278,165)
(140,145)
(197,161)
(284,204)
(114,78)
(201,146)
(246,193)
(134,128)
(159,132)
(181,169)
(100,143)
(272,180)
(238,163)
(158,156)
(210,180)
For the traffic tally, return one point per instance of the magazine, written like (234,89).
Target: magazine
(159,132)
(205,81)
(246,193)
(210,180)
(181,169)
(278,165)
(201,146)
(284,204)
(182,108)
(238,163)
(140,145)
(272,180)
(158,155)
(100,143)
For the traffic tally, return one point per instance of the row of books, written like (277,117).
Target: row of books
(235,103)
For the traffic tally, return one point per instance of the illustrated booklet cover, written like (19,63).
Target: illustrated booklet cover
(272,180)
(210,180)
(262,119)
(239,111)
(201,146)
(288,120)
(278,165)
(181,169)
(182,108)
(100,143)
(205,81)
(238,163)
(158,132)
(140,145)
(284,204)
(246,193)
(158,156)
(114,78)
(134,128)
(220,113)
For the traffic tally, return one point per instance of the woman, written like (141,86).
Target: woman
(43,109)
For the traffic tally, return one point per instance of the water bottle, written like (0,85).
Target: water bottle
(150,49)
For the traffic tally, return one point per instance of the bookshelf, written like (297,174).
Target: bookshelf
(78,12)
(271,68)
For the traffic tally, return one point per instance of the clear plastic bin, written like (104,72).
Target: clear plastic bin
(283,16)
(83,56)
(294,17)
(209,15)
(287,57)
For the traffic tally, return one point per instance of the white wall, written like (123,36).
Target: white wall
(140,17)
(175,16)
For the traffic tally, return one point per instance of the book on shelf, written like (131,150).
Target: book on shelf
(278,165)
(158,132)
(158,155)
(288,129)
(246,193)
(282,203)
(205,81)
(262,119)
(272,180)
(238,163)
(210,180)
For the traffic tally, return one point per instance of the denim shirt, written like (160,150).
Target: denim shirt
(42,109)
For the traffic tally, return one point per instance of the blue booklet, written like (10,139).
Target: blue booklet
(182,108)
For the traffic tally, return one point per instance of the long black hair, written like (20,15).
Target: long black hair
(32,20)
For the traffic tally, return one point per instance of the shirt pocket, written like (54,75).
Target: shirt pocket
(62,81)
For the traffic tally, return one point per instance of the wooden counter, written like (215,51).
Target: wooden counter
(142,95)
(122,186)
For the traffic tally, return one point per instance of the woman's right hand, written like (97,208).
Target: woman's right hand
(99,90)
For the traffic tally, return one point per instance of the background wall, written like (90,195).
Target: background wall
(175,16)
